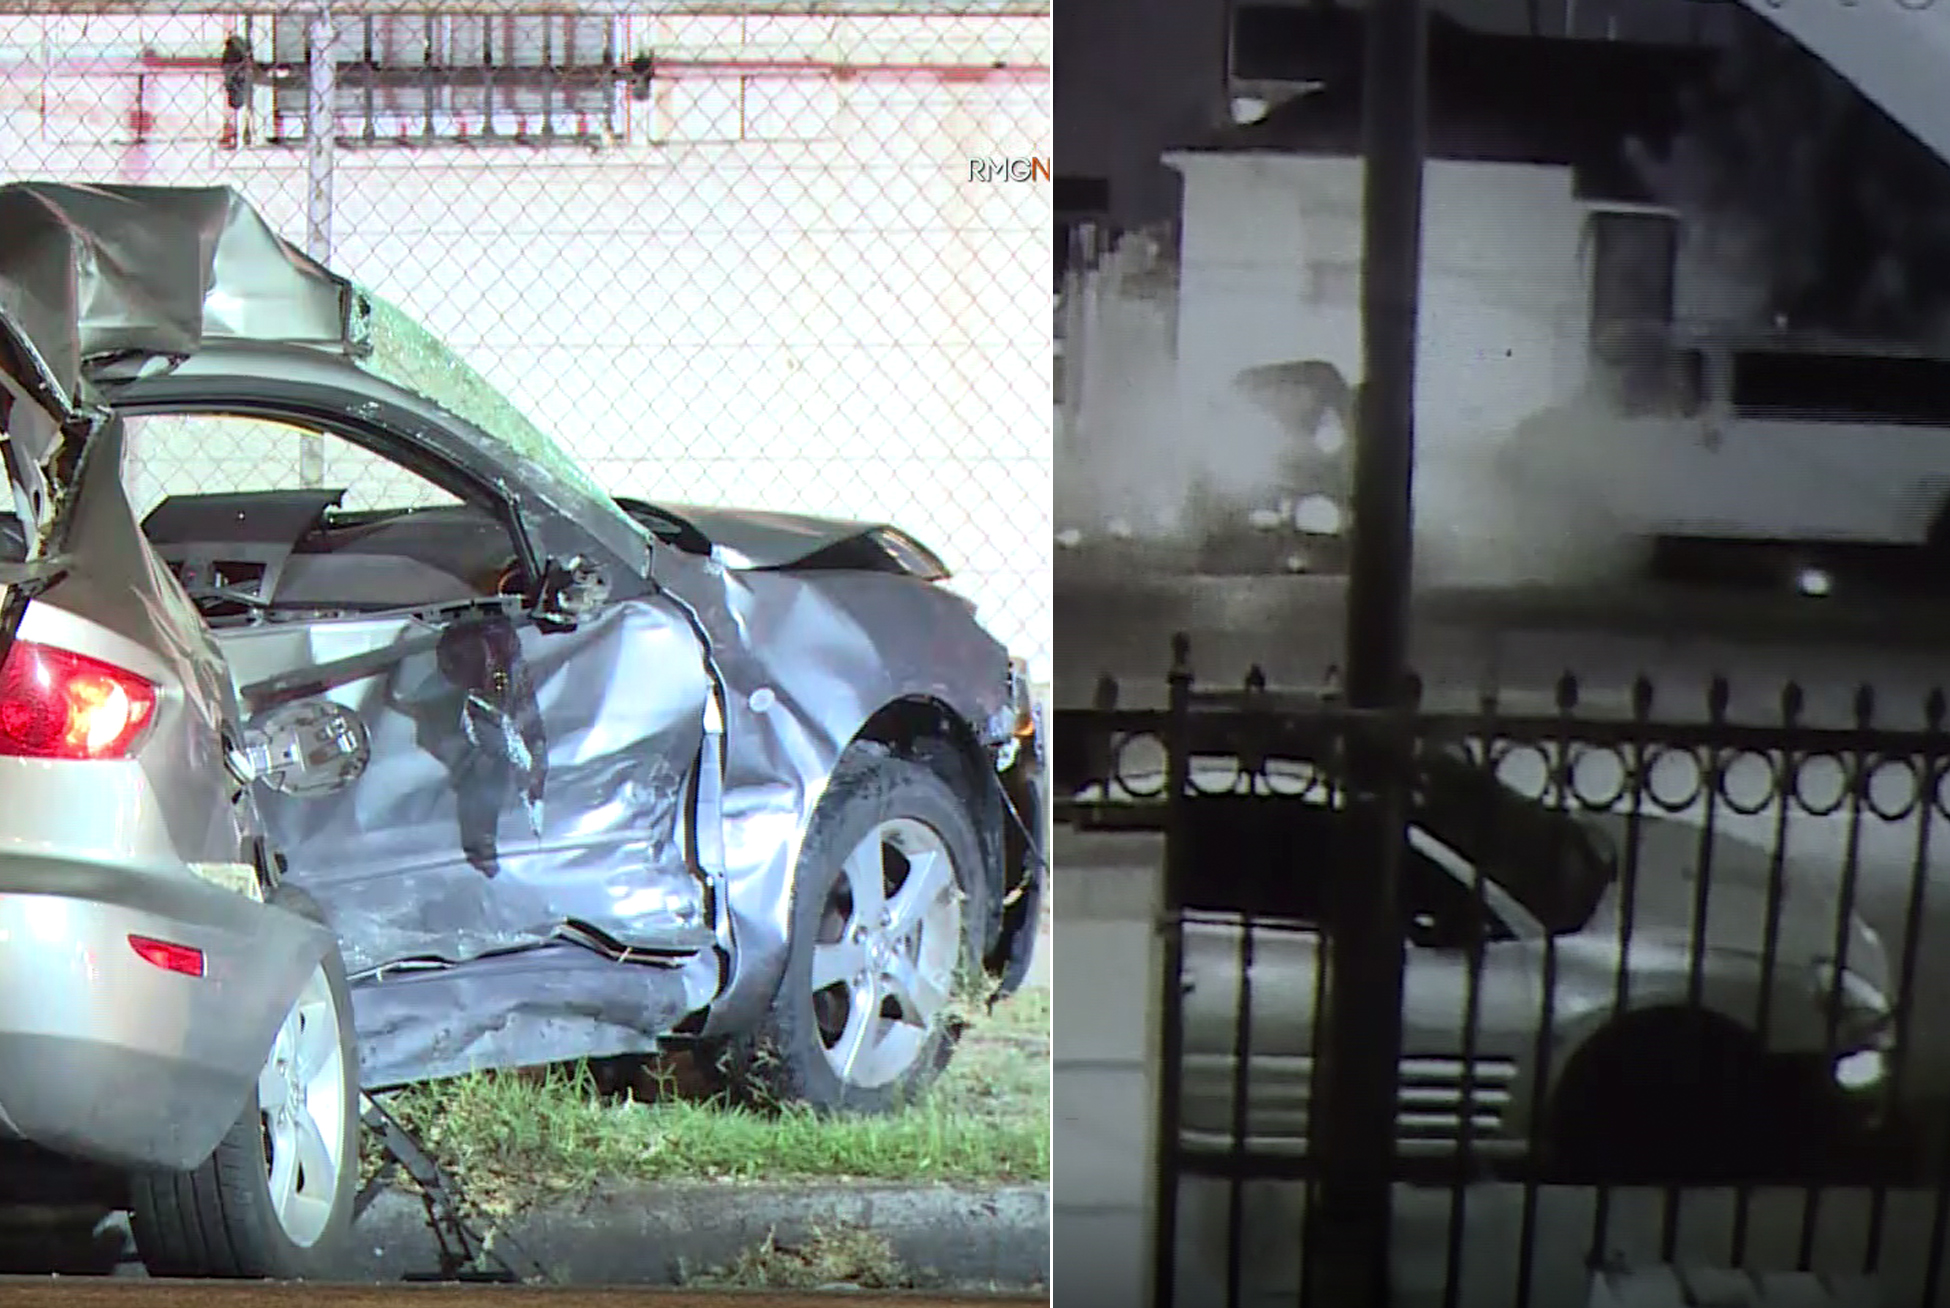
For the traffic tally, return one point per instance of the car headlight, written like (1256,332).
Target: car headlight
(1864,1008)
(1318,515)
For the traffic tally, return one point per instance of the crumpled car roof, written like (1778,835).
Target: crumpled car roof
(88,272)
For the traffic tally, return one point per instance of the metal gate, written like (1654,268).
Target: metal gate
(1482,1002)
(1666,987)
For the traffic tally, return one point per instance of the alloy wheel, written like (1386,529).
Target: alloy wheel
(890,942)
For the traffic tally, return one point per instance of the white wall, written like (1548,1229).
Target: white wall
(1271,272)
(807,305)
(1120,436)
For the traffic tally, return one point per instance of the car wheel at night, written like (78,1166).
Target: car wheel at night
(887,916)
(275,1198)
(1680,1100)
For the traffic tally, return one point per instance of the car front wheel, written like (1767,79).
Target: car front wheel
(275,1197)
(887,917)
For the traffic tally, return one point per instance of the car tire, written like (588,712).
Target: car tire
(903,990)
(221,1219)
(1675,1101)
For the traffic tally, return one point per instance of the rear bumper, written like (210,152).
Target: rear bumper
(106,1057)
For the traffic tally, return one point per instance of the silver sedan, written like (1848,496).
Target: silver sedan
(1654,1051)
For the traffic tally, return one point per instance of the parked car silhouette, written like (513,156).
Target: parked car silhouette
(1640,1077)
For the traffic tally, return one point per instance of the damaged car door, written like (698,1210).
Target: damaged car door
(533,724)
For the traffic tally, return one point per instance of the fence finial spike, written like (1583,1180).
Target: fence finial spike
(1642,693)
(1865,704)
(1934,707)
(1793,700)
(1104,698)
(1719,694)
(1567,691)
(1255,679)
(1181,655)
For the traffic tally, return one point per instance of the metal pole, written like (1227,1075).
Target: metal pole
(1354,1126)
(321,142)
(1171,1016)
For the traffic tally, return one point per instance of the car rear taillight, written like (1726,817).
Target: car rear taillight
(185,960)
(58,705)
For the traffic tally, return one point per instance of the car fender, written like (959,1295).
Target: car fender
(806,661)
(1729,992)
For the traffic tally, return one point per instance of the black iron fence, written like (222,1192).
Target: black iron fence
(1651,952)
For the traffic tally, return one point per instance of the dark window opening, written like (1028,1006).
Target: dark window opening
(1275,857)
(1443,912)
(1841,387)
(1551,864)
(1634,260)
(1268,857)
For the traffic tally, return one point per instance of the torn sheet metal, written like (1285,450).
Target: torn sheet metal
(93,271)
(749,539)
(521,780)
(45,399)
(807,659)
(555,1004)
(102,278)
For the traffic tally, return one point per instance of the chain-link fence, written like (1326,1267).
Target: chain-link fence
(787,260)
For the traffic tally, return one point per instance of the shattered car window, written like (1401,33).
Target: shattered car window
(409,356)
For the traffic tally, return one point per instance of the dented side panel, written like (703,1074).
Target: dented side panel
(806,662)
(521,781)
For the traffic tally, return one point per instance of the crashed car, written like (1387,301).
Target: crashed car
(1300,521)
(567,776)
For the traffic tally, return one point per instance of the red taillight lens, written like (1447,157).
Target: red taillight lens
(183,959)
(54,704)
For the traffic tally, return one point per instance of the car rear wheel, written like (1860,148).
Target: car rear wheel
(887,918)
(275,1198)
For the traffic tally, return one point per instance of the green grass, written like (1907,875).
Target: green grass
(512,1138)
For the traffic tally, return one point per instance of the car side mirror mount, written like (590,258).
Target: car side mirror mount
(570,590)
(305,749)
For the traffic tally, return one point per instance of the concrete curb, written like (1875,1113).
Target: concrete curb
(990,1238)
(653,1234)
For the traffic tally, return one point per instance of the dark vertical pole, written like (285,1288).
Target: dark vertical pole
(1353,1132)
(1171,996)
